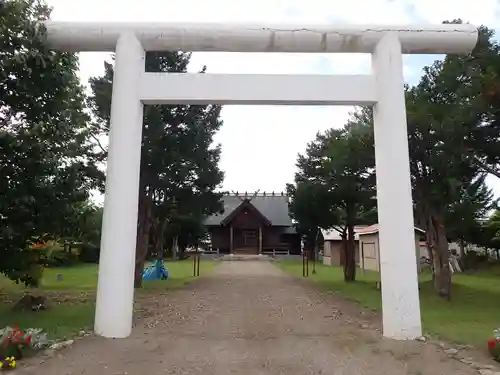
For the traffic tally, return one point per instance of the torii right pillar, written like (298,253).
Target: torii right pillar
(398,263)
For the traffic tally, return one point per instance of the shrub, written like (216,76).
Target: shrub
(14,341)
(16,344)
(60,255)
(494,345)
(473,260)
(89,253)
(30,275)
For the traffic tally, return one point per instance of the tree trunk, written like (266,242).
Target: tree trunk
(175,248)
(498,254)
(350,256)
(181,252)
(312,253)
(343,250)
(461,250)
(142,241)
(160,239)
(430,246)
(442,272)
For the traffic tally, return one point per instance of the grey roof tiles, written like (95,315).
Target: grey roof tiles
(273,207)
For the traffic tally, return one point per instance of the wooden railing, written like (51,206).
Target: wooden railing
(275,252)
(211,251)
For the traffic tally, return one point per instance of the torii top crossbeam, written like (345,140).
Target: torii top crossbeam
(103,36)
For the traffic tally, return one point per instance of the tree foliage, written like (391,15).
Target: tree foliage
(179,165)
(465,216)
(450,132)
(46,157)
(334,185)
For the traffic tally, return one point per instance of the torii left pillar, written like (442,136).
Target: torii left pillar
(115,291)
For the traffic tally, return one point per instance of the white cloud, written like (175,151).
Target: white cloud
(482,12)
(260,144)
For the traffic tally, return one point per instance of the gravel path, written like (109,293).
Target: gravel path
(247,318)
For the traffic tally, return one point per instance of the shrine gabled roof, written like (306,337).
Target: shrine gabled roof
(273,207)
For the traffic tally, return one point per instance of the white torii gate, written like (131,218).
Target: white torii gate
(133,87)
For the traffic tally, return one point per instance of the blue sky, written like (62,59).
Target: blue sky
(260,144)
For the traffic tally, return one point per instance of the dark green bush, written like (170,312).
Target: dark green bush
(473,260)
(89,253)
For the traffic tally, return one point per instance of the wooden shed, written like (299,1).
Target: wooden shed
(370,251)
(332,246)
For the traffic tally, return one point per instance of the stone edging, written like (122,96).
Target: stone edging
(454,353)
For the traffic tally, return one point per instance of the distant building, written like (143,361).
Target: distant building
(367,251)
(332,246)
(253,224)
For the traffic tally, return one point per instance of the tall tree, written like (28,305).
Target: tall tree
(464,216)
(310,211)
(46,158)
(449,131)
(340,165)
(479,74)
(83,223)
(491,233)
(438,172)
(178,160)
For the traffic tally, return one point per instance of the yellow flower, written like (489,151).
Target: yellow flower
(13,364)
(1,364)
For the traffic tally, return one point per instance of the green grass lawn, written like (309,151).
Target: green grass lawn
(469,318)
(72,300)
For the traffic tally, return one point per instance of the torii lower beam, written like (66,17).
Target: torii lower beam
(384,90)
(264,89)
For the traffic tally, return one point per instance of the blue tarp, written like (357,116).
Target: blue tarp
(157,271)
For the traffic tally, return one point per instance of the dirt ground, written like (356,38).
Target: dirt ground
(249,318)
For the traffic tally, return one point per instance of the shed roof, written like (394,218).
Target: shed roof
(334,235)
(273,207)
(372,229)
(360,230)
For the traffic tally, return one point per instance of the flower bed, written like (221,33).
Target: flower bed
(16,344)
(494,345)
